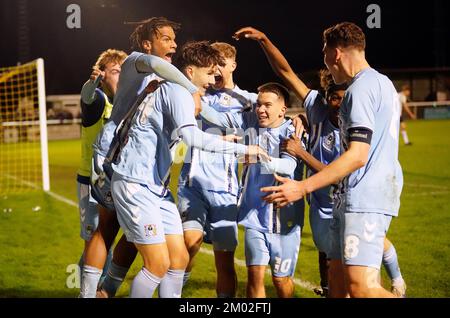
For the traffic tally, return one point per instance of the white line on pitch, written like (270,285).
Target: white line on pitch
(50,193)
(426,193)
(425,185)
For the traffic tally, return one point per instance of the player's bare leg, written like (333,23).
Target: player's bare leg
(124,252)
(363,282)
(226,284)
(97,248)
(156,264)
(172,283)
(284,286)
(193,240)
(255,283)
(336,280)
(178,254)
(95,251)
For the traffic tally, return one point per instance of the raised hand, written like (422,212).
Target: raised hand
(249,33)
(97,75)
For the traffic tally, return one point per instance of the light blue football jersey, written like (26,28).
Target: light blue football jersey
(371,101)
(146,157)
(323,145)
(131,84)
(215,171)
(254,212)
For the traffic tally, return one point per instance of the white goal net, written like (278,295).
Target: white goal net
(23,129)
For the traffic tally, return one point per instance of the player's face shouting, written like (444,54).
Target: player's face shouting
(163,43)
(270,109)
(223,76)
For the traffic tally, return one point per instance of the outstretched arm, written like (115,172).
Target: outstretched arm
(153,64)
(276,59)
(88,95)
(194,137)
(291,190)
(181,108)
(221,119)
(283,166)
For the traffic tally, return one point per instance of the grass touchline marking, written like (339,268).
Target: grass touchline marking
(50,193)
(425,185)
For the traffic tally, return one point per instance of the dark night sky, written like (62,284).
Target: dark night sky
(411,36)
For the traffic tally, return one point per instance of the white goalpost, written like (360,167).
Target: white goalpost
(23,129)
(43,125)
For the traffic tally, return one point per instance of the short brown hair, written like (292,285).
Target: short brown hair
(227,50)
(110,56)
(148,28)
(345,35)
(198,53)
(277,89)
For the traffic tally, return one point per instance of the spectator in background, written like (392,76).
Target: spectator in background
(403,96)
(26,110)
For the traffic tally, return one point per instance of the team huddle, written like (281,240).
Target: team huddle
(138,108)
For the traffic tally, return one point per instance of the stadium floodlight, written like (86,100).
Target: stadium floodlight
(23,128)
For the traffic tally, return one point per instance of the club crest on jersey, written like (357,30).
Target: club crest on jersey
(101,179)
(150,230)
(89,229)
(108,197)
(225,100)
(328,142)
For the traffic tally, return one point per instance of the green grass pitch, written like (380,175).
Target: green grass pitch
(38,246)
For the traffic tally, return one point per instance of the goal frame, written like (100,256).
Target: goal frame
(43,124)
